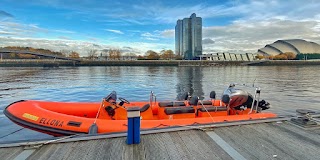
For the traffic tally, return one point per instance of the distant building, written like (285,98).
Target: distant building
(225,56)
(188,37)
(299,47)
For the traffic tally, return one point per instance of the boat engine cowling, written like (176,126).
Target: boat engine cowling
(240,99)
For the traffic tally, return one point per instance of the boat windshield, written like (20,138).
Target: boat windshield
(111,96)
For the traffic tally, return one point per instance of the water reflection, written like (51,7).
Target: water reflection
(281,84)
(189,80)
(287,88)
(112,71)
(152,71)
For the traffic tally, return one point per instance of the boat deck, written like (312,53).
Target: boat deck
(280,140)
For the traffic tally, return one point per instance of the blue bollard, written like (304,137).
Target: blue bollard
(133,133)
(136,130)
(130,131)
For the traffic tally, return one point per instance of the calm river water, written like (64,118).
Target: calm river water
(285,87)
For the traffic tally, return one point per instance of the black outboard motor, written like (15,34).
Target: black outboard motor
(264,105)
(240,99)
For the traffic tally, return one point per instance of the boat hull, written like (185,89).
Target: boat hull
(65,118)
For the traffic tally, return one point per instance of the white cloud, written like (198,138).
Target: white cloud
(258,22)
(250,24)
(13,27)
(157,35)
(151,39)
(207,41)
(114,31)
(64,31)
(6,33)
(243,10)
(64,37)
(148,36)
(249,36)
(159,12)
(168,33)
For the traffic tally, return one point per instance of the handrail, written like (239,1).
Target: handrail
(152,95)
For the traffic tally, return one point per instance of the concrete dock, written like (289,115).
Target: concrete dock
(273,140)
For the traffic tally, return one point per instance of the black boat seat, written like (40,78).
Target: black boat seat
(212,109)
(179,110)
(171,104)
(205,103)
(145,107)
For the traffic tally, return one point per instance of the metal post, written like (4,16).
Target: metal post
(151,98)
(254,99)
(133,133)
(258,98)
(152,95)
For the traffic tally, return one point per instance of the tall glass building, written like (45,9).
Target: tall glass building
(188,36)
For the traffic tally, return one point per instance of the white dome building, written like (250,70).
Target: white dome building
(296,46)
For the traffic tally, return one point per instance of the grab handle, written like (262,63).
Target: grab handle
(152,95)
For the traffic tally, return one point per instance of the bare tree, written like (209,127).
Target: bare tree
(92,54)
(104,53)
(131,55)
(114,54)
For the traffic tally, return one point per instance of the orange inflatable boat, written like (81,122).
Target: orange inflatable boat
(66,118)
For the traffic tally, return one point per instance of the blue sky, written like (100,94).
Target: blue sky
(137,25)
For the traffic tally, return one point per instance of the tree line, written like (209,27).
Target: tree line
(117,54)
(164,54)
(110,54)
